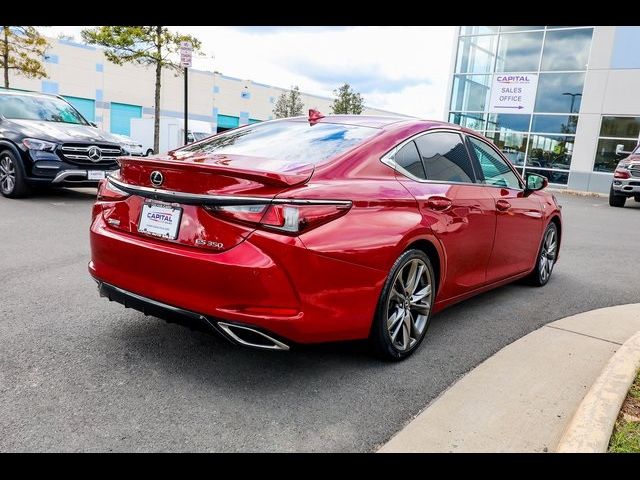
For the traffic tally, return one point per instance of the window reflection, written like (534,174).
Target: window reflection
(553,176)
(474,121)
(519,52)
(475,30)
(513,145)
(554,123)
(515,122)
(566,49)
(517,29)
(559,92)
(470,92)
(606,157)
(476,54)
(625,127)
(550,151)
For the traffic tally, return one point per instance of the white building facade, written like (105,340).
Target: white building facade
(111,95)
(586,104)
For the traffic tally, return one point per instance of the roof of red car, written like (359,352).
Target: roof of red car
(374,121)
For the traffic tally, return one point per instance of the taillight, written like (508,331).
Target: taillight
(287,218)
(109,193)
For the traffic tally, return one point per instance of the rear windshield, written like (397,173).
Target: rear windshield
(47,109)
(286,141)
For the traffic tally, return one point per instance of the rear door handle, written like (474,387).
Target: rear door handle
(503,205)
(439,204)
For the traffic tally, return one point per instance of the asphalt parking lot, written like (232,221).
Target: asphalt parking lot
(78,373)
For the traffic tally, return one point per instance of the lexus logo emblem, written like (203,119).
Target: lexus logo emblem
(156,178)
(94,153)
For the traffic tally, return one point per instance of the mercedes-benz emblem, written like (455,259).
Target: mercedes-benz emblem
(156,178)
(94,153)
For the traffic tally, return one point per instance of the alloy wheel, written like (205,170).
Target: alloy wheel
(7,174)
(548,254)
(409,304)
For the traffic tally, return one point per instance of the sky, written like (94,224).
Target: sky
(400,69)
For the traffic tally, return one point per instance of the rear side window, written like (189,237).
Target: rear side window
(286,142)
(445,157)
(409,159)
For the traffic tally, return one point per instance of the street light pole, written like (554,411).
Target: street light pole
(573,99)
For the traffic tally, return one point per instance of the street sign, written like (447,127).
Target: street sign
(186,51)
(513,93)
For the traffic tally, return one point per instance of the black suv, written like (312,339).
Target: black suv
(45,141)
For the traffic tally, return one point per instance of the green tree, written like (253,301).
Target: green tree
(22,50)
(156,46)
(347,101)
(289,104)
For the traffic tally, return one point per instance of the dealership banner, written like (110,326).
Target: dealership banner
(513,93)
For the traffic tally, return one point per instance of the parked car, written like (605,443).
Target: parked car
(319,229)
(130,146)
(626,180)
(44,140)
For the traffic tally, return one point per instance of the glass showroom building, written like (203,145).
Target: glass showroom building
(580,104)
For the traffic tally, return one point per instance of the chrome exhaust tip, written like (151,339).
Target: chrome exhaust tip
(250,337)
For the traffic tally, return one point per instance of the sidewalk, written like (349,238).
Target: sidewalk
(522,398)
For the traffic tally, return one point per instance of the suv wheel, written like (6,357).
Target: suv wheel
(404,309)
(636,197)
(616,200)
(12,184)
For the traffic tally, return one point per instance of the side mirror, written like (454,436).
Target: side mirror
(620,152)
(535,182)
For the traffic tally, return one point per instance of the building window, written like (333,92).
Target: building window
(616,133)
(559,92)
(558,43)
(476,54)
(541,141)
(475,121)
(470,92)
(512,144)
(474,30)
(216,89)
(519,52)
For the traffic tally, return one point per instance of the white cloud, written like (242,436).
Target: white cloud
(402,69)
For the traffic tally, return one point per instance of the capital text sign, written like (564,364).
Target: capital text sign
(513,93)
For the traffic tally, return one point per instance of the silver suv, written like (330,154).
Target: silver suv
(626,180)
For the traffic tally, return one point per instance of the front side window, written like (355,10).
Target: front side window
(445,157)
(495,170)
(46,109)
(285,143)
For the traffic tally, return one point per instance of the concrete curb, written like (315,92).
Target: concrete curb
(589,431)
(578,193)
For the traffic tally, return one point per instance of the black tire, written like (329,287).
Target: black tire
(148,152)
(616,200)
(539,277)
(12,182)
(380,338)
(636,198)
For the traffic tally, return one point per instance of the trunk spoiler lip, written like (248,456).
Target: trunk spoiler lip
(213,200)
(279,179)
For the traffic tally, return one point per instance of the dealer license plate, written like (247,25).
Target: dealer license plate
(160,220)
(95,174)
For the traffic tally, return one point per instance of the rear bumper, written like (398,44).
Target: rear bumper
(235,333)
(275,286)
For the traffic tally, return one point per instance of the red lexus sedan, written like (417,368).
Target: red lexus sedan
(321,228)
